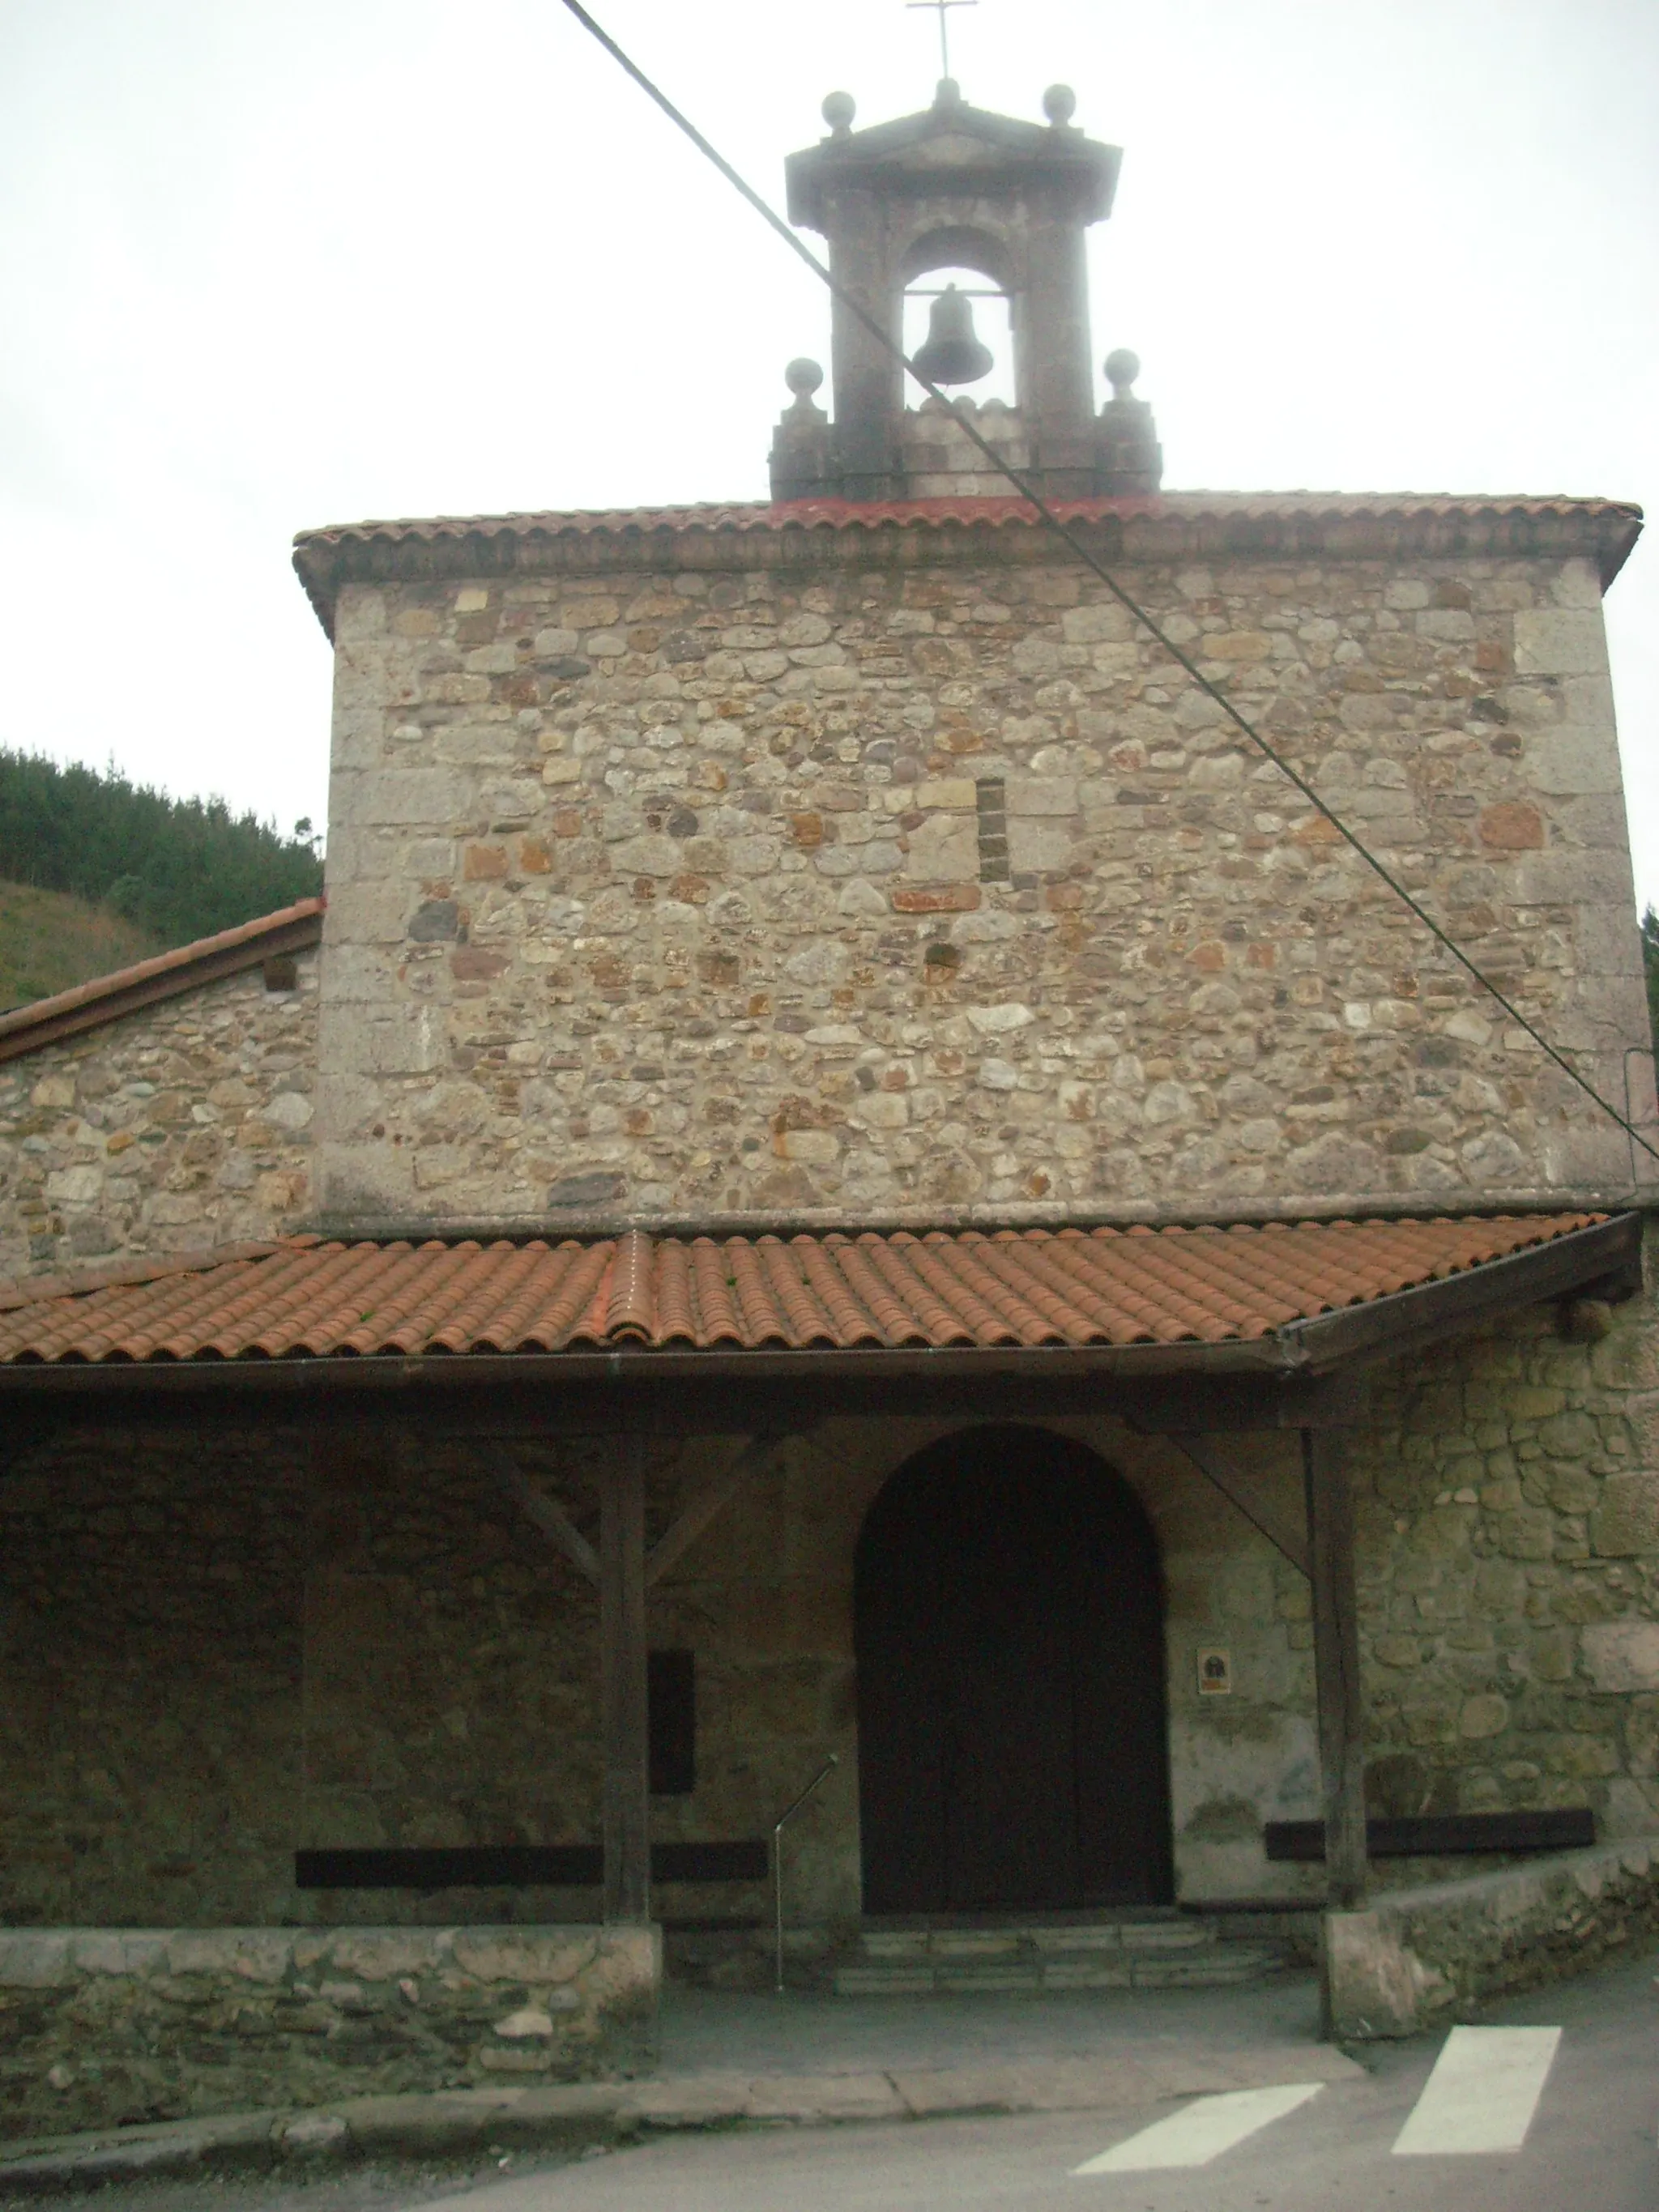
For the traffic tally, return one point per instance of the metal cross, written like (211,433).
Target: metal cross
(944,26)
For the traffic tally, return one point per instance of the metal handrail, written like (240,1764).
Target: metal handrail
(834,1760)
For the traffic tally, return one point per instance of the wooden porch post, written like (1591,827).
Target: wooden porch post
(622,1694)
(1336,1664)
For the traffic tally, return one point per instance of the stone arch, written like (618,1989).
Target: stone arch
(958,246)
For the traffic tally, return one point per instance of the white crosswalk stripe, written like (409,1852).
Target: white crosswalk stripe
(1201,2131)
(1482,2094)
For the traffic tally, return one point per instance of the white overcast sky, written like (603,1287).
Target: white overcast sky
(269,264)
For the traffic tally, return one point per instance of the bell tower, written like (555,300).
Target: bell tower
(956,187)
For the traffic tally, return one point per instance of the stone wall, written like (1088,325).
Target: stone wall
(1510,1573)
(907,881)
(218,1649)
(1439,1953)
(101,2028)
(186,1124)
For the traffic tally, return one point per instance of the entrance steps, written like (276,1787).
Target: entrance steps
(1149,1949)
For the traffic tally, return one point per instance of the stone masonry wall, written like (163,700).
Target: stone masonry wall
(1510,1574)
(218,1649)
(1425,1956)
(183,1125)
(100,2028)
(912,884)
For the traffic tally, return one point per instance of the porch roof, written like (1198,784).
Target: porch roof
(1285,1297)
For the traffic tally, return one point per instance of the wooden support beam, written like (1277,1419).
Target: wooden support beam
(623,1686)
(1210,1404)
(549,1516)
(707,1506)
(1336,1664)
(1245,1496)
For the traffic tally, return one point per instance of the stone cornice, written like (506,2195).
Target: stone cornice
(807,535)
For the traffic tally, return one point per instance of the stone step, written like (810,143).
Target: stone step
(1034,1940)
(1205,1965)
(1160,1949)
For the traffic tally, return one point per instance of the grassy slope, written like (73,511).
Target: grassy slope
(49,941)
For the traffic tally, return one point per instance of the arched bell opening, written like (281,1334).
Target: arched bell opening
(1013,1752)
(959,331)
(958,246)
(957,315)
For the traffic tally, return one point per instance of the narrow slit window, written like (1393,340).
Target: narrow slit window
(992,803)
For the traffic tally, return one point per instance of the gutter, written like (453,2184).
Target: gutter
(630,1369)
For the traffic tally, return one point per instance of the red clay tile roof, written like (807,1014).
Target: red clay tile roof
(1162,525)
(980,509)
(168,975)
(1012,1289)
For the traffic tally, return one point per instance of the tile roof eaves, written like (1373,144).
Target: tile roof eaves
(996,508)
(743,1304)
(298,1369)
(168,975)
(323,558)
(1540,1266)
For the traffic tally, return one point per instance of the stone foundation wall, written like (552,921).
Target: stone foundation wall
(1436,1953)
(908,881)
(183,1125)
(101,2027)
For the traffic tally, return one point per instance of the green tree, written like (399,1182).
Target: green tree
(179,868)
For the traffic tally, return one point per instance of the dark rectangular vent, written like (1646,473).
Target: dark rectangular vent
(744,1861)
(1441,1835)
(671,1708)
(520,1866)
(484,1866)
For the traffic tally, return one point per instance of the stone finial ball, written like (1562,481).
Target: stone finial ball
(802,376)
(838,110)
(1060,103)
(1122,367)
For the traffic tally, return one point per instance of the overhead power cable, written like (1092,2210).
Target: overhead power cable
(1063,530)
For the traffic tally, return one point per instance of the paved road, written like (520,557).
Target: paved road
(1583,2106)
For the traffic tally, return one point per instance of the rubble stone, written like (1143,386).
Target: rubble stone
(179,2030)
(183,1125)
(777,796)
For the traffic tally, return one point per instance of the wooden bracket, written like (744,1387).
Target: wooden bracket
(707,1506)
(549,1516)
(1236,1488)
(710,1502)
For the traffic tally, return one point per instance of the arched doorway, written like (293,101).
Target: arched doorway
(1012,1734)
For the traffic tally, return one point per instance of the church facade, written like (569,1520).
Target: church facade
(880,1199)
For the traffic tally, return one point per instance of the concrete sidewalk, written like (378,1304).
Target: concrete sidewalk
(800,2060)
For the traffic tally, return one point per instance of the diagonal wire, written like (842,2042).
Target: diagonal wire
(1028,490)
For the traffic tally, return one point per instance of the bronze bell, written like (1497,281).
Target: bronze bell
(952,354)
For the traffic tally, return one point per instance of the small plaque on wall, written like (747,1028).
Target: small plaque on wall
(1215,1672)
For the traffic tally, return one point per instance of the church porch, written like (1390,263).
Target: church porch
(268,1614)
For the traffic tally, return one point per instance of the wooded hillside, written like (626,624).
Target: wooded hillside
(175,868)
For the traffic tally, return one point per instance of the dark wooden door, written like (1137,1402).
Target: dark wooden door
(1012,1748)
